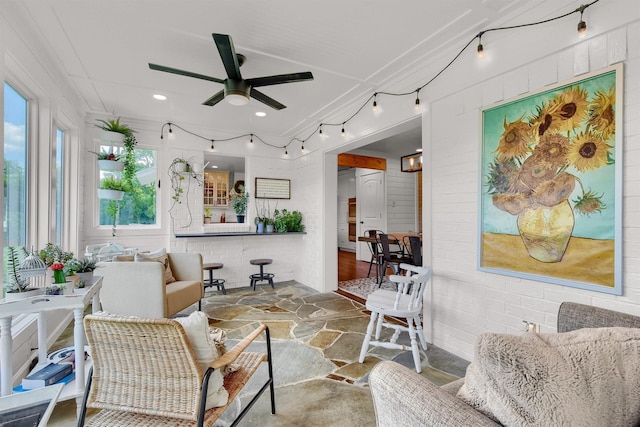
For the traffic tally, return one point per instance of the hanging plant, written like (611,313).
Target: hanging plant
(180,173)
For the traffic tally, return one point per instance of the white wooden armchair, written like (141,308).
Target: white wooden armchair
(145,373)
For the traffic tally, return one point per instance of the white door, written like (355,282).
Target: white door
(370,211)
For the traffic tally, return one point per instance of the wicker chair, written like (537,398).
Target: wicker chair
(145,373)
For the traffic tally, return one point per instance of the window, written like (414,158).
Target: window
(15,167)
(59,186)
(138,206)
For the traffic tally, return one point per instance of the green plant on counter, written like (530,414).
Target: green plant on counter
(288,221)
(263,214)
(207,212)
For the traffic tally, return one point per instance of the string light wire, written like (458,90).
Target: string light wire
(581,28)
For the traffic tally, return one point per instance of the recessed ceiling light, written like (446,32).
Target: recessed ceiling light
(159,97)
(214,167)
(260,113)
(419,150)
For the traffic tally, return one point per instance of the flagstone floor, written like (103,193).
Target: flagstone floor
(316,340)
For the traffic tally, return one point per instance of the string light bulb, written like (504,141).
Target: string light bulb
(480,47)
(285,151)
(302,147)
(582,26)
(251,140)
(417,99)
(212,147)
(170,130)
(320,131)
(375,104)
(342,132)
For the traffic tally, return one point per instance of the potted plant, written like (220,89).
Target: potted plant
(180,165)
(288,221)
(111,188)
(263,218)
(85,270)
(207,215)
(18,285)
(109,161)
(113,130)
(52,253)
(239,204)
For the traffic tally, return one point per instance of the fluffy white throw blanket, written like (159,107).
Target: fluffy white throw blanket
(588,377)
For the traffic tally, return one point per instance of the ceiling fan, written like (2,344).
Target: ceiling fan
(236,89)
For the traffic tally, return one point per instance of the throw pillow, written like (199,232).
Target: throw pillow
(196,326)
(123,258)
(161,257)
(588,377)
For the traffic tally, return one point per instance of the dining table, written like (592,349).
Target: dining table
(394,239)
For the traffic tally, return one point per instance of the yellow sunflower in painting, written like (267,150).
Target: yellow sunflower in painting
(539,158)
(602,116)
(588,151)
(570,109)
(515,140)
(552,151)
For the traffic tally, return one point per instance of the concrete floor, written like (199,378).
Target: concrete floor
(316,340)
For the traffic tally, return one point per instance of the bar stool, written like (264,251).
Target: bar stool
(255,278)
(210,282)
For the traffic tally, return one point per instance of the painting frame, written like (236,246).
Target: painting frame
(550,185)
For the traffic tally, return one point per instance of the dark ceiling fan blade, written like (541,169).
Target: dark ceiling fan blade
(279,79)
(214,99)
(228,55)
(184,73)
(266,100)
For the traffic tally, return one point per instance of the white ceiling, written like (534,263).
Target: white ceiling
(353,48)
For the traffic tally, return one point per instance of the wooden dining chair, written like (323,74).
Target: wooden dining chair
(390,259)
(405,303)
(413,246)
(376,252)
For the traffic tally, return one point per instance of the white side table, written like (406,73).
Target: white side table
(40,304)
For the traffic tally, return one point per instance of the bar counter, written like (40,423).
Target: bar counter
(234,234)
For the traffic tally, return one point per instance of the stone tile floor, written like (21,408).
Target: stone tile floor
(316,340)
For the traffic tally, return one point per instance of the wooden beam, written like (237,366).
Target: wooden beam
(366,162)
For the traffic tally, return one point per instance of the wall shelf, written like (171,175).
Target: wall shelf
(351,220)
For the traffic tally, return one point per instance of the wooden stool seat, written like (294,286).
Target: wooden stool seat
(262,276)
(210,282)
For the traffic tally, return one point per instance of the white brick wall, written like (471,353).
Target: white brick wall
(467,302)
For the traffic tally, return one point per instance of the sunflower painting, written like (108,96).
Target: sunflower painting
(551,202)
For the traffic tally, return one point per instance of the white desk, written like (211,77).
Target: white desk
(40,304)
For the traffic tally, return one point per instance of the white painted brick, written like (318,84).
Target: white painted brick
(543,72)
(516,83)
(598,56)
(617,46)
(581,59)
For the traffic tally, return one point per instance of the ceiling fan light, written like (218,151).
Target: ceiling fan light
(236,92)
(237,99)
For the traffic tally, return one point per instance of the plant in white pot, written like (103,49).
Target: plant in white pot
(18,284)
(84,271)
(113,130)
(109,161)
(111,188)
(207,215)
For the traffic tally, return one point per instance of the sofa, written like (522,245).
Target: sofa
(134,288)
(403,398)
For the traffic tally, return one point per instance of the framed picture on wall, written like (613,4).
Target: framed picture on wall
(272,188)
(551,183)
